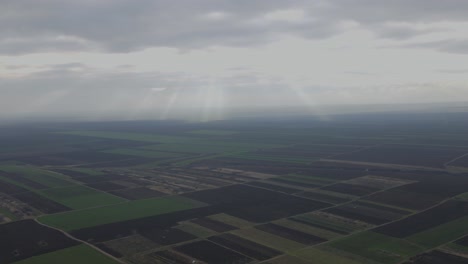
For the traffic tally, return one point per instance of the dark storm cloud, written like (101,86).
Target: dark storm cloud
(28,26)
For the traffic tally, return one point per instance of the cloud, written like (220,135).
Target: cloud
(457,46)
(28,26)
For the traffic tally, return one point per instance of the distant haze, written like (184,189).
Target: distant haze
(207,59)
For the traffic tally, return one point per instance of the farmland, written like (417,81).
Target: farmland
(236,192)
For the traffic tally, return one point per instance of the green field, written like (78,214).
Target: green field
(268,239)
(88,171)
(81,254)
(130,136)
(120,212)
(143,153)
(44,177)
(328,235)
(377,247)
(208,146)
(213,132)
(441,234)
(317,256)
(255,156)
(330,223)
(80,197)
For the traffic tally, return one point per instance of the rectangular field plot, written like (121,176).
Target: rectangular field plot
(286,259)
(137,193)
(106,186)
(377,247)
(246,247)
(351,189)
(144,153)
(41,203)
(268,240)
(212,253)
(317,256)
(7,187)
(26,238)
(19,179)
(80,197)
(307,228)
(328,197)
(378,182)
(167,236)
(369,213)
(42,177)
(330,222)
(274,187)
(119,212)
(425,156)
(300,182)
(291,234)
(130,245)
(256,204)
(441,214)
(73,255)
(231,220)
(165,256)
(436,257)
(441,234)
(213,225)
(196,230)
(405,199)
(307,151)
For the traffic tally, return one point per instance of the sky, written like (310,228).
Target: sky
(162,59)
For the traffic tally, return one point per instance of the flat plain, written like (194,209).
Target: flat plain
(379,190)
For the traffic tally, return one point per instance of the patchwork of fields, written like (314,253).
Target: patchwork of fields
(317,192)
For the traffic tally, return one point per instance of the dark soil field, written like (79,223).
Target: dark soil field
(106,186)
(462,241)
(368,213)
(437,257)
(246,247)
(274,187)
(10,188)
(237,200)
(433,217)
(213,224)
(405,199)
(169,256)
(424,156)
(109,250)
(351,189)
(298,184)
(137,193)
(22,180)
(120,229)
(212,253)
(323,197)
(41,203)
(312,224)
(461,162)
(167,236)
(24,239)
(290,234)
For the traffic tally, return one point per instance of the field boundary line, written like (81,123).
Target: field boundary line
(82,241)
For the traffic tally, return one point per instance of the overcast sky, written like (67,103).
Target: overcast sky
(152,58)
